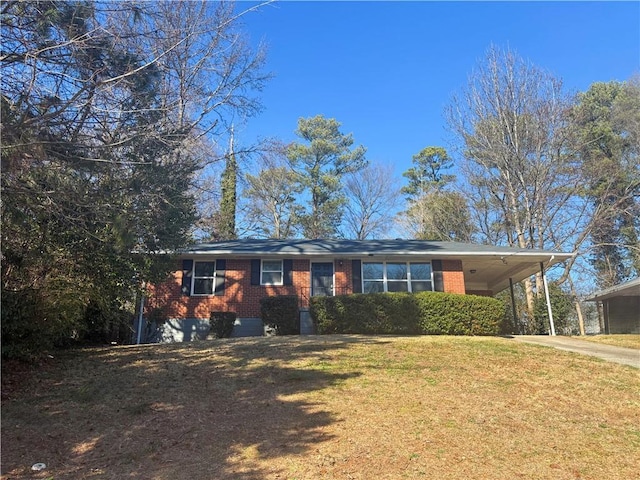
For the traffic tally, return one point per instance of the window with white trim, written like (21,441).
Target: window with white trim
(204,277)
(421,277)
(271,272)
(396,277)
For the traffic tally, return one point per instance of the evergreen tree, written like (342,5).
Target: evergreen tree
(606,119)
(426,174)
(434,212)
(227,214)
(320,164)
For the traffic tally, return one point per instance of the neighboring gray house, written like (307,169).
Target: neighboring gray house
(620,307)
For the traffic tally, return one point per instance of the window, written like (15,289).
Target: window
(271,273)
(420,277)
(204,274)
(372,277)
(396,277)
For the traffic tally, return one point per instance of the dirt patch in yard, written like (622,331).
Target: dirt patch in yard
(347,407)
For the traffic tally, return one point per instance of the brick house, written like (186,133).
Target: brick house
(235,275)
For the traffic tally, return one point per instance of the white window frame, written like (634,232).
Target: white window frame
(194,278)
(262,271)
(385,284)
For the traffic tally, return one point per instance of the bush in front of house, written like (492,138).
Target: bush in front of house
(431,313)
(222,323)
(370,313)
(453,314)
(281,313)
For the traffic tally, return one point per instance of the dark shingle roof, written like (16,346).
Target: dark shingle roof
(245,247)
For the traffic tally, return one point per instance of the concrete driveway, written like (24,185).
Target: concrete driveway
(625,356)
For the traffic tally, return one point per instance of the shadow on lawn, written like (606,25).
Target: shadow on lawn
(214,410)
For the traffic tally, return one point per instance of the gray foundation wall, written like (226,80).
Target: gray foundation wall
(248,327)
(190,329)
(306,324)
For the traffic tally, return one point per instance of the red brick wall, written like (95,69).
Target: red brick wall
(343,277)
(239,295)
(244,299)
(453,276)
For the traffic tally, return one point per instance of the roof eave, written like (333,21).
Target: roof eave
(537,254)
(631,288)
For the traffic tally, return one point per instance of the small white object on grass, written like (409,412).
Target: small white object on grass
(36,467)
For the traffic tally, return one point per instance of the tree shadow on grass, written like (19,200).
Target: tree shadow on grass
(223,409)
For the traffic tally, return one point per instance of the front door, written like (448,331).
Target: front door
(322,279)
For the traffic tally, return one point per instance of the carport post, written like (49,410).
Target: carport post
(552,332)
(139,336)
(516,324)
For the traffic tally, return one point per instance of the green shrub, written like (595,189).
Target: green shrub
(32,323)
(453,314)
(105,322)
(222,324)
(432,313)
(562,305)
(281,313)
(371,313)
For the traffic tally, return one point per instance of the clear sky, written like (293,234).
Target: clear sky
(386,70)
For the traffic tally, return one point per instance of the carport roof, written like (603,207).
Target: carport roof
(487,264)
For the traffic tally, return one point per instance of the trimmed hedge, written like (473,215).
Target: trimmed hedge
(222,323)
(281,313)
(431,313)
(452,314)
(374,313)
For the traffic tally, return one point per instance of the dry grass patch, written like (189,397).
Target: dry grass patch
(626,340)
(344,407)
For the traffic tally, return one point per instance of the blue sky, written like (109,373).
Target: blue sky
(386,70)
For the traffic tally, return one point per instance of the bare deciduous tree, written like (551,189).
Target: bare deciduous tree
(103,104)
(210,74)
(372,197)
(441,215)
(523,172)
(271,198)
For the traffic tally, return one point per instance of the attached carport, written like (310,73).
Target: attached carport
(489,270)
(619,307)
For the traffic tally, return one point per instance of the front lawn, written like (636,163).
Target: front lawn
(325,407)
(626,340)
